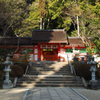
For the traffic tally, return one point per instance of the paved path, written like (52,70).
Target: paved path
(51,93)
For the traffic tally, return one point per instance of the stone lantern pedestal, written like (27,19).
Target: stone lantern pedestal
(7,84)
(93,82)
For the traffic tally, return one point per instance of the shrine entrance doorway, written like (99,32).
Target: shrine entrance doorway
(50,54)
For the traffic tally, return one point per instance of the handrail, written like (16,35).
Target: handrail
(71,66)
(15,81)
(26,69)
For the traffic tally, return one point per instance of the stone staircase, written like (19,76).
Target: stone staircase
(49,74)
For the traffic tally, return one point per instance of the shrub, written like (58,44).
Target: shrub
(83,70)
(22,58)
(2,66)
(98,73)
(23,65)
(16,71)
(1,71)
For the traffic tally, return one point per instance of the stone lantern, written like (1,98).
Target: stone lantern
(82,60)
(11,57)
(7,84)
(93,69)
(88,58)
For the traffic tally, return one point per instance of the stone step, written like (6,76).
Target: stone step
(41,68)
(49,85)
(48,62)
(49,82)
(49,79)
(49,65)
(51,76)
(48,69)
(47,72)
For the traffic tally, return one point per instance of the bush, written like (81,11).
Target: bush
(23,65)
(83,70)
(22,58)
(98,73)
(2,66)
(2,73)
(16,71)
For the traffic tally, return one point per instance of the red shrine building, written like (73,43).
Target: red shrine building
(45,45)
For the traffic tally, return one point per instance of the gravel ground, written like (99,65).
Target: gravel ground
(12,94)
(89,94)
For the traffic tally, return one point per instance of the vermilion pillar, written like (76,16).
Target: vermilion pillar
(59,46)
(39,56)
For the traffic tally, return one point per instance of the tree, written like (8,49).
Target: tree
(30,22)
(89,16)
(11,14)
(42,12)
(56,13)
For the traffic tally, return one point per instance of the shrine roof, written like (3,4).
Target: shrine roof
(73,41)
(49,36)
(16,41)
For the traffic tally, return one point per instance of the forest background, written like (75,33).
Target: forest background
(18,18)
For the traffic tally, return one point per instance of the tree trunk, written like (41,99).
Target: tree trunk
(43,23)
(40,23)
(78,27)
(48,22)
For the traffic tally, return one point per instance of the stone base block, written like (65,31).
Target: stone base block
(93,84)
(7,84)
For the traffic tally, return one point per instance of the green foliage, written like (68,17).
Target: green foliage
(56,10)
(12,12)
(89,50)
(97,46)
(19,18)
(3,53)
(42,8)
(30,22)
(22,58)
